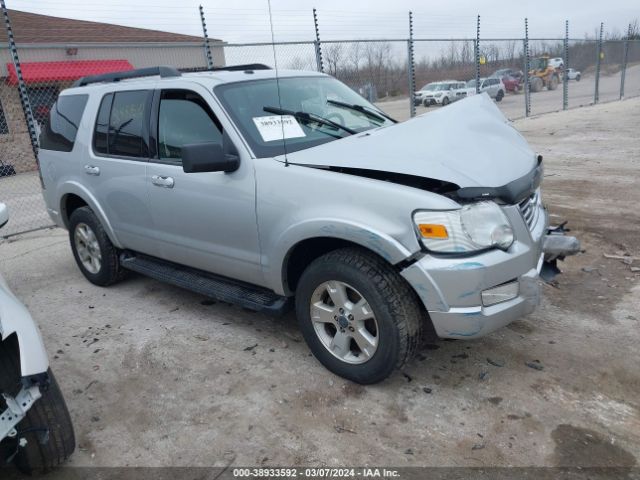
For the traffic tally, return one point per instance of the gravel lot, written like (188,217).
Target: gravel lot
(156,376)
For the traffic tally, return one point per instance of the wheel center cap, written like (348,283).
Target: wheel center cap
(343,321)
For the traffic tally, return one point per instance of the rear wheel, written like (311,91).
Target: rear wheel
(499,95)
(95,255)
(577,78)
(360,319)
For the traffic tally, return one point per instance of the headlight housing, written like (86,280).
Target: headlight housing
(474,227)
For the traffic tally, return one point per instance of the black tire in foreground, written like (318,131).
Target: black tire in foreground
(396,310)
(47,425)
(499,96)
(50,412)
(89,241)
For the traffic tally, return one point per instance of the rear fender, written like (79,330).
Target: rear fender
(76,188)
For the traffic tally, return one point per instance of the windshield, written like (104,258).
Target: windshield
(441,86)
(428,87)
(471,83)
(246,102)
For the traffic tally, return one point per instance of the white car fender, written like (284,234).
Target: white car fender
(15,318)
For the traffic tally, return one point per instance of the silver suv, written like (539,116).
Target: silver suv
(268,190)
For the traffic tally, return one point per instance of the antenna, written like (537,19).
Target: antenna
(275,63)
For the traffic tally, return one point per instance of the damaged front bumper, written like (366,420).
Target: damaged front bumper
(17,408)
(469,297)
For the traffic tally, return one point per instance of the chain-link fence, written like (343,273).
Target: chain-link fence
(439,71)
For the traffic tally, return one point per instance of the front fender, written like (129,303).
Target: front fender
(376,241)
(15,318)
(75,188)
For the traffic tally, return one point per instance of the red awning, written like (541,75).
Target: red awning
(41,72)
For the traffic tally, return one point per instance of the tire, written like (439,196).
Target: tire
(425,103)
(535,84)
(577,78)
(51,412)
(108,271)
(445,101)
(48,412)
(499,96)
(553,83)
(389,303)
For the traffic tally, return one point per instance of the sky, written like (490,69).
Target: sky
(248,20)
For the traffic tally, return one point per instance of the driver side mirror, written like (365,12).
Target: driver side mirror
(207,157)
(4,215)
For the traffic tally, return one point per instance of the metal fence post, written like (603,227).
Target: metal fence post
(527,83)
(625,59)
(22,89)
(317,44)
(565,74)
(477,54)
(411,69)
(207,48)
(596,93)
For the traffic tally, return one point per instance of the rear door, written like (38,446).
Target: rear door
(205,220)
(115,165)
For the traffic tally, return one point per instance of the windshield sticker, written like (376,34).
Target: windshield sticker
(277,127)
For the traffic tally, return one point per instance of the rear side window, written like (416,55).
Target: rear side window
(120,124)
(59,132)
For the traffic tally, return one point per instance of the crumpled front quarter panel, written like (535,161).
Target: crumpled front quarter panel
(295,203)
(15,318)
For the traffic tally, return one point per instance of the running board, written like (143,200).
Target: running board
(207,284)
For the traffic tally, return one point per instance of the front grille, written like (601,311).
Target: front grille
(529,209)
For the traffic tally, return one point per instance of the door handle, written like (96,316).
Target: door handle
(166,182)
(91,170)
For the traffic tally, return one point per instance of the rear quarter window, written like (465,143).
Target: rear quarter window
(60,130)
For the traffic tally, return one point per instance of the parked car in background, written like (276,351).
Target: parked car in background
(512,84)
(443,93)
(418,97)
(491,86)
(35,427)
(503,72)
(573,74)
(556,62)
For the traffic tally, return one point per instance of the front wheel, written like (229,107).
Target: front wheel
(48,415)
(360,319)
(499,95)
(445,101)
(577,78)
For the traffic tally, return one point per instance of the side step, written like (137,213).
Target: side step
(207,284)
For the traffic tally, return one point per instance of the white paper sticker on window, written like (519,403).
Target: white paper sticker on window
(277,127)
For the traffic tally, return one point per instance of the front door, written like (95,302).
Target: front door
(204,220)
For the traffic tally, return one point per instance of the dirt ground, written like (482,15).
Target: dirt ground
(156,376)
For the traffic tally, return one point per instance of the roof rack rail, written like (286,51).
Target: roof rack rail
(247,66)
(163,71)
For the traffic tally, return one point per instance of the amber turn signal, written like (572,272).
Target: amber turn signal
(428,230)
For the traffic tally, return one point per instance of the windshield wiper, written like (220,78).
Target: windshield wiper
(362,109)
(309,117)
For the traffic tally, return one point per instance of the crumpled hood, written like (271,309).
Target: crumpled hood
(469,143)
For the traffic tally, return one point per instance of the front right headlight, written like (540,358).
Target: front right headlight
(474,227)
